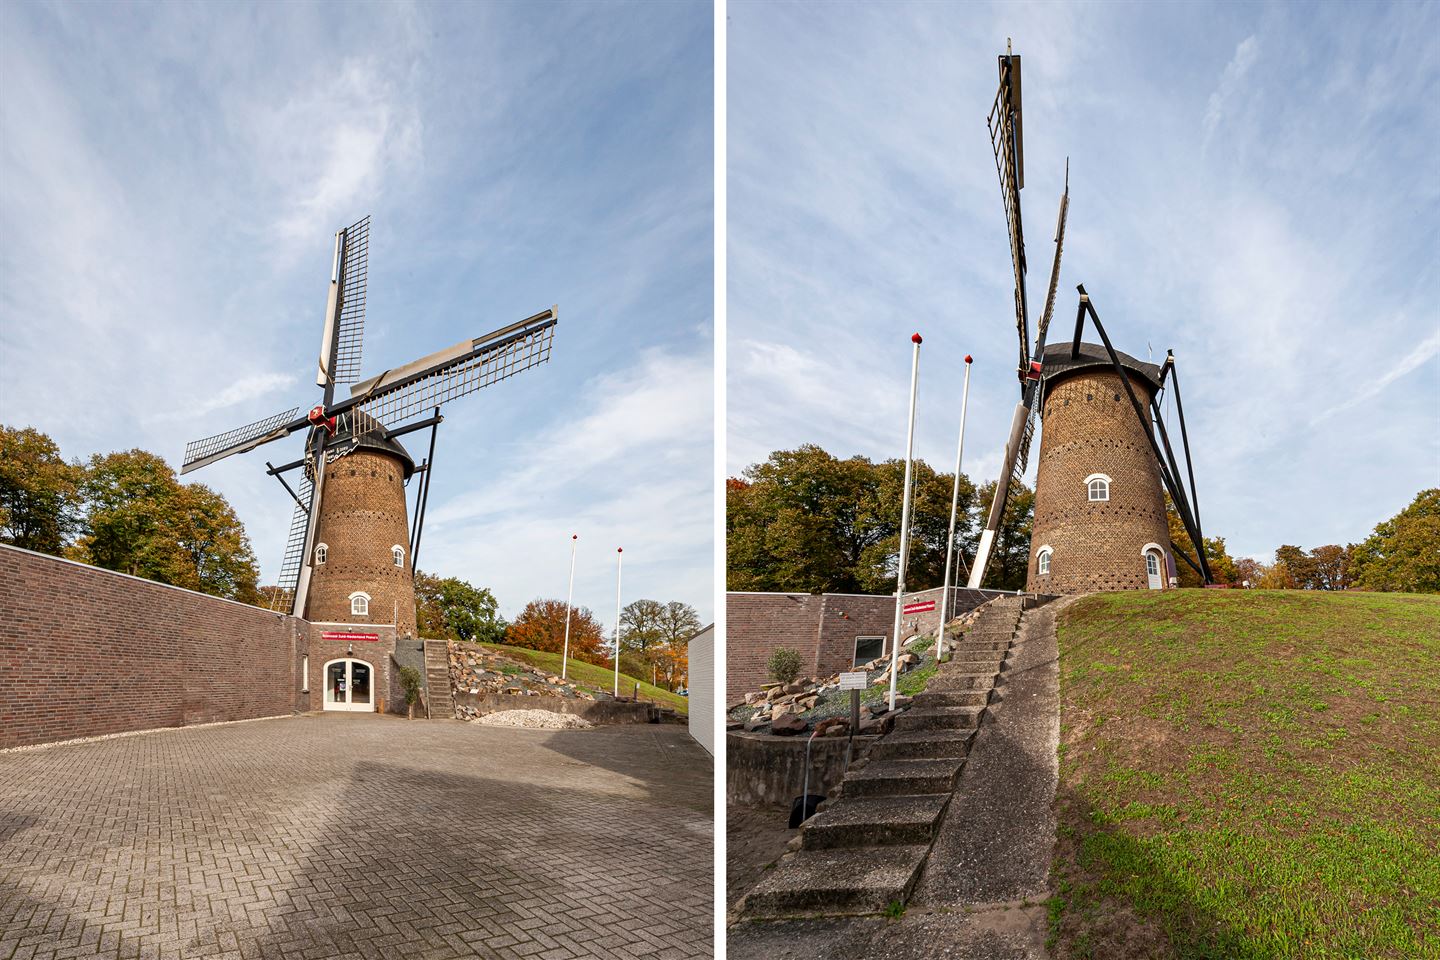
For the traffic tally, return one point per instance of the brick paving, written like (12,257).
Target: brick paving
(329,836)
(755,838)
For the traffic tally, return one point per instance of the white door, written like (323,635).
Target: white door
(1152,570)
(349,685)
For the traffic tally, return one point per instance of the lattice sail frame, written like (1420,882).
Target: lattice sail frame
(1004,125)
(350,327)
(295,542)
(238,440)
(508,356)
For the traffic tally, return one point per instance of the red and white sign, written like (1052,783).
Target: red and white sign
(335,635)
(919,606)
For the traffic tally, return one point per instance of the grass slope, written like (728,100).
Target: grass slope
(589,675)
(1249,774)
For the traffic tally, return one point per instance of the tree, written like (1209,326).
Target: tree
(1223,567)
(448,608)
(139,519)
(1404,552)
(1297,568)
(1332,566)
(1249,570)
(673,665)
(642,627)
(541,626)
(806,520)
(680,622)
(39,492)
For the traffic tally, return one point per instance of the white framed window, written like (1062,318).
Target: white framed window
(322,553)
(360,604)
(867,649)
(1042,560)
(1152,564)
(305,674)
(398,552)
(1097,487)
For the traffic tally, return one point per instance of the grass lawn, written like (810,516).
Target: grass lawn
(1248,774)
(589,675)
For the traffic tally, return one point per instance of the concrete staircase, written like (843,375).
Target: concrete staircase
(867,848)
(437,681)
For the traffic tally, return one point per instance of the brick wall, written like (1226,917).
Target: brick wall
(86,651)
(1090,427)
(362,517)
(378,654)
(822,627)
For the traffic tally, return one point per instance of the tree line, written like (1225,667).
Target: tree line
(806,520)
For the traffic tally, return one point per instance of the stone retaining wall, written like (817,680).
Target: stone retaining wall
(763,769)
(596,711)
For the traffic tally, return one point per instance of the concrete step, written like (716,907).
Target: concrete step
(953,698)
(876,822)
(893,778)
(837,882)
(979,656)
(437,680)
(923,745)
(970,646)
(961,680)
(940,718)
(991,667)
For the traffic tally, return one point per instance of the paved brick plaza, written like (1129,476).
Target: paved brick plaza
(328,836)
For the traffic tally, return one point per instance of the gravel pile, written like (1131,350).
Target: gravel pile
(539,719)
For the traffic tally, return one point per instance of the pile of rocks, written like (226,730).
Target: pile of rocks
(473,669)
(782,707)
(537,719)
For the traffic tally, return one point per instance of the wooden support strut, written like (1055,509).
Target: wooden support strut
(1176,494)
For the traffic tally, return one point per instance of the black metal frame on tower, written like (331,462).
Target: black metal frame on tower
(424,494)
(1168,468)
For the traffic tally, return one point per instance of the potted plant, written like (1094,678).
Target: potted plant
(410,680)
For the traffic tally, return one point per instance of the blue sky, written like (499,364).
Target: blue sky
(1255,186)
(170,180)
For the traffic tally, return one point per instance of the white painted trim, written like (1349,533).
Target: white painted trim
(1098,476)
(305,673)
(1152,546)
(355,596)
(1045,551)
(319,562)
(397,555)
(327,704)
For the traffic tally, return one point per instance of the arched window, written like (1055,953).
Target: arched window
(1042,561)
(398,552)
(360,604)
(321,553)
(1097,487)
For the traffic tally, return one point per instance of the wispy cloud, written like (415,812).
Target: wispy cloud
(1246,52)
(1411,361)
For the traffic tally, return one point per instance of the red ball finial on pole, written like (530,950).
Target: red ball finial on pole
(915,338)
(574,536)
(969,359)
(619,549)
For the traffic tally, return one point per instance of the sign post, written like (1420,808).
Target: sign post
(854,682)
(619,560)
(904,522)
(954,508)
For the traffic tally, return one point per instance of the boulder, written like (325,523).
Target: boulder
(753,724)
(833,726)
(877,725)
(788,725)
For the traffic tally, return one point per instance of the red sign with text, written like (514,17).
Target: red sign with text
(922,606)
(328,635)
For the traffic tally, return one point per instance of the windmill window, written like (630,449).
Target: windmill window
(398,552)
(360,604)
(1042,561)
(1097,487)
(322,552)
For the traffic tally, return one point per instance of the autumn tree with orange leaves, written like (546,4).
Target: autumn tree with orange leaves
(541,626)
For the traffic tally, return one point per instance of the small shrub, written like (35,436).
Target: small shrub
(784,665)
(410,680)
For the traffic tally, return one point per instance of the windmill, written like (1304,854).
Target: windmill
(1082,537)
(354,469)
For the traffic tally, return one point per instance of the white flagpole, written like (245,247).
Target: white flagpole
(904,523)
(954,508)
(569,596)
(619,560)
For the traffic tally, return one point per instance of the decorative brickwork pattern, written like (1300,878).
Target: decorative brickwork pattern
(362,516)
(1090,427)
(86,652)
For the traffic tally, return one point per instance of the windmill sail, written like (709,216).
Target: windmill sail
(200,452)
(350,328)
(401,394)
(295,543)
(1007,145)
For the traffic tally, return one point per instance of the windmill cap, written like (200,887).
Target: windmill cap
(1058,364)
(372,436)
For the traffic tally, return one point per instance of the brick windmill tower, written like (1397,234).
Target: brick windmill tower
(1106,459)
(350,557)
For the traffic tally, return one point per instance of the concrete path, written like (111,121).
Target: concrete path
(982,895)
(359,836)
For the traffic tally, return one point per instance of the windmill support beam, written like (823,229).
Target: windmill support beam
(276,474)
(1179,551)
(1177,495)
(424,492)
(1184,435)
(1184,505)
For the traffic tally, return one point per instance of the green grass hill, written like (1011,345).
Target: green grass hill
(591,676)
(1249,774)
